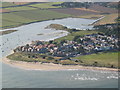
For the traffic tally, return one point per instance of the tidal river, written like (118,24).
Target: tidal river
(13,77)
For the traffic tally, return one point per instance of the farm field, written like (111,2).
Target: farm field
(92,16)
(19,8)
(76,12)
(4,10)
(46,5)
(33,12)
(102,9)
(84,9)
(108,19)
(14,19)
(6,4)
(107,59)
(13,4)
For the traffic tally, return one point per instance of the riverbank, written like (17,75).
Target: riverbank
(57,18)
(7,32)
(50,66)
(15,26)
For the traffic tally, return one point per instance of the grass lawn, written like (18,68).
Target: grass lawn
(46,5)
(101,59)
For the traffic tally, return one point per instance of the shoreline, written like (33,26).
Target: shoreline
(7,27)
(11,27)
(94,23)
(50,66)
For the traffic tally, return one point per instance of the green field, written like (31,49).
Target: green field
(72,33)
(57,27)
(70,36)
(6,4)
(108,59)
(15,7)
(15,19)
(46,5)
(20,8)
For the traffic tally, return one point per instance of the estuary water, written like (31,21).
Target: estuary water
(28,33)
(17,78)
(13,77)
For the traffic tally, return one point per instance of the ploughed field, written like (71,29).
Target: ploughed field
(74,11)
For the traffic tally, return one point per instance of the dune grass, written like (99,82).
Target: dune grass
(108,59)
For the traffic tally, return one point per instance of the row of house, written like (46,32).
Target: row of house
(99,42)
(87,44)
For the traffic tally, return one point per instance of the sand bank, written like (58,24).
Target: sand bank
(50,66)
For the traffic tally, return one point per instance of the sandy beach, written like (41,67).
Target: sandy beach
(49,66)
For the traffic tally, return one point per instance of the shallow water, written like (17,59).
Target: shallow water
(18,78)
(28,33)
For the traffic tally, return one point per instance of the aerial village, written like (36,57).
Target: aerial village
(84,45)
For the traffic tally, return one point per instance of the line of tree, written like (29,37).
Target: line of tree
(74,4)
